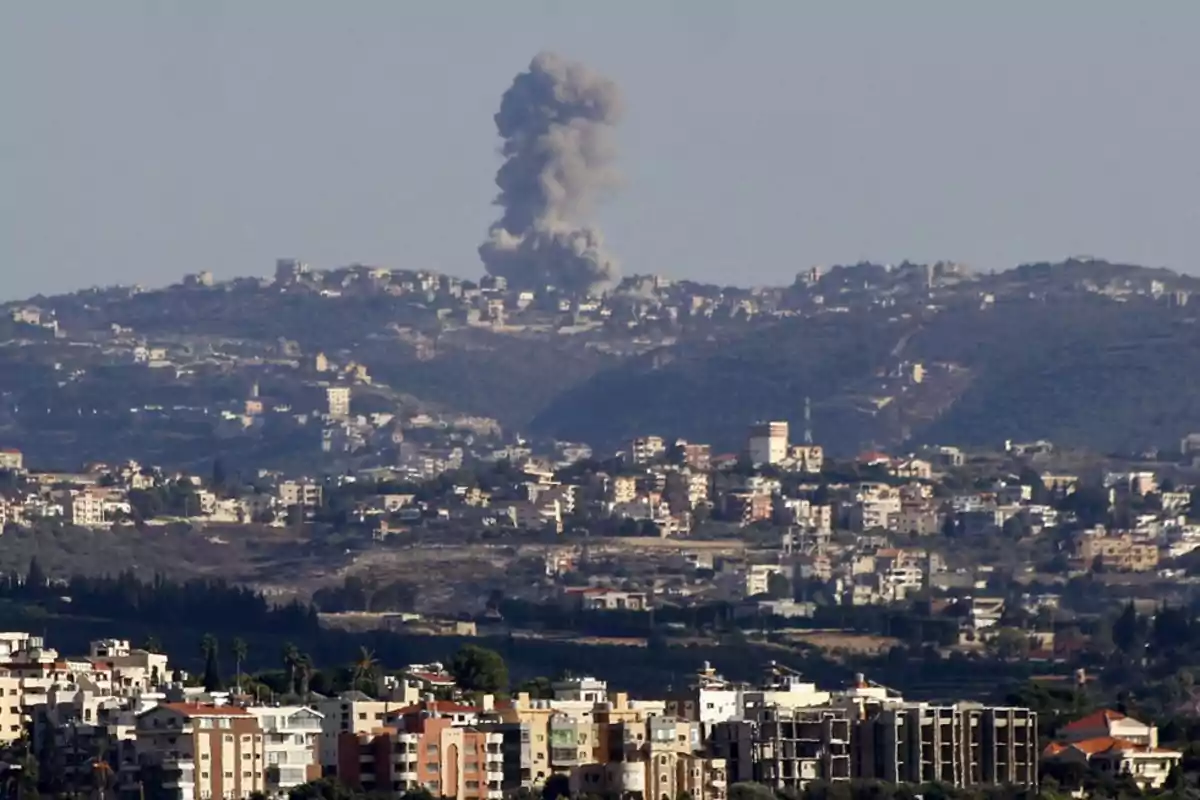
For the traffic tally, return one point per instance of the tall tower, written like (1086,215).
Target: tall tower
(808,437)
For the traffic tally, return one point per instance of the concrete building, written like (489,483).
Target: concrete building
(430,752)
(1122,552)
(645,449)
(354,712)
(302,493)
(291,741)
(338,400)
(768,442)
(11,459)
(87,510)
(191,751)
(785,748)
(808,458)
(963,745)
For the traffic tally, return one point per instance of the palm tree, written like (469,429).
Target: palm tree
(240,651)
(305,668)
(208,645)
(365,666)
(291,661)
(212,672)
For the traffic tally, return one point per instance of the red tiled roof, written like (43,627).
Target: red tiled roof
(203,710)
(1096,719)
(440,706)
(1100,744)
(1053,749)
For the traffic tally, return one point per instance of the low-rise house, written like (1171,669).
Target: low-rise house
(1114,744)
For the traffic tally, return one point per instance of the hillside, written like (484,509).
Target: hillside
(1080,370)
(1083,353)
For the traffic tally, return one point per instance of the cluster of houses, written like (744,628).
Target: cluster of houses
(120,718)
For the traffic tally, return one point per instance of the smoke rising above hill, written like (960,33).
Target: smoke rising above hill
(557,122)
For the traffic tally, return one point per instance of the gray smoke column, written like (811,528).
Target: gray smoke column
(557,121)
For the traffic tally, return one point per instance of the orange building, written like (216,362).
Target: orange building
(432,746)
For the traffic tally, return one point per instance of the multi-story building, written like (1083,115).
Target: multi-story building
(962,745)
(134,671)
(768,442)
(1116,551)
(918,519)
(191,751)
(623,489)
(354,712)
(87,510)
(697,456)
(291,740)
(746,508)
(645,449)
(808,458)
(11,459)
(785,747)
(338,400)
(425,750)
(302,493)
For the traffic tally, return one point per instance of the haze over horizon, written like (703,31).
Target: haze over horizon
(144,140)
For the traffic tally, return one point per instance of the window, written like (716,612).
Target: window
(225,722)
(204,775)
(204,756)
(247,774)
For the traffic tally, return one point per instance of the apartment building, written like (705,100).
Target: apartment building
(962,745)
(304,493)
(697,456)
(134,671)
(918,520)
(86,509)
(354,712)
(197,752)
(622,489)
(808,458)
(1116,551)
(11,459)
(291,741)
(430,752)
(645,449)
(337,400)
(785,747)
(758,578)
(746,508)
(768,442)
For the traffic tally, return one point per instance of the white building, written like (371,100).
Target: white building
(291,736)
(338,398)
(87,510)
(768,442)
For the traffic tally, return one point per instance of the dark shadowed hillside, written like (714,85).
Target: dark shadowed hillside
(1081,369)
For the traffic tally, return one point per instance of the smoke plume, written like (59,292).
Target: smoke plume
(556,121)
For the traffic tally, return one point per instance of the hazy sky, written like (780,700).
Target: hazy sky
(143,140)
